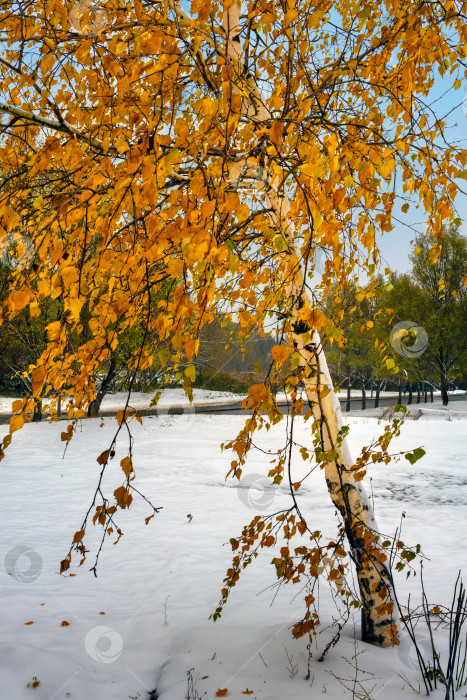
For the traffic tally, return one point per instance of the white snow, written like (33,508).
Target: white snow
(176,397)
(169,397)
(139,399)
(159,584)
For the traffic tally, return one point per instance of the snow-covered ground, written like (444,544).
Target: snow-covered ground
(143,623)
(139,399)
(177,397)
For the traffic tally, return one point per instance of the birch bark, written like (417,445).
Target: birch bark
(348,495)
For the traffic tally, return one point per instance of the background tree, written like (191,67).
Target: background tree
(225,363)
(434,297)
(360,363)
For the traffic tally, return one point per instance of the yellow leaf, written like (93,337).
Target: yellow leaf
(37,376)
(121,416)
(280,353)
(16,423)
(259,392)
(54,330)
(69,275)
(275,133)
(34,310)
(190,372)
(19,299)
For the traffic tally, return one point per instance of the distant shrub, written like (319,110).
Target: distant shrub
(11,386)
(235,382)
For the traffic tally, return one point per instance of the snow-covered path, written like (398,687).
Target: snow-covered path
(143,623)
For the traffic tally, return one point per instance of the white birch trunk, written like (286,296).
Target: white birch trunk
(348,495)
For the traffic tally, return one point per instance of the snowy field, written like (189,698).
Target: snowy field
(139,399)
(143,623)
(177,397)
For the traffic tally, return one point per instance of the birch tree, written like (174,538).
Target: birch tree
(219,149)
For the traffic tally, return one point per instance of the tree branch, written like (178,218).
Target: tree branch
(61,126)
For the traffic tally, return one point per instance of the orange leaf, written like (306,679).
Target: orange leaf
(64,565)
(247,692)
(17,405)
(280,353)
(64,623)
(38,376)
(123,497)
(103,457)
(222,692)
(127,466)
(19,299)
(121,416)
(31,622)
(120,306)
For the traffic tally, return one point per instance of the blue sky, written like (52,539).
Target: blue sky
(396,245)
